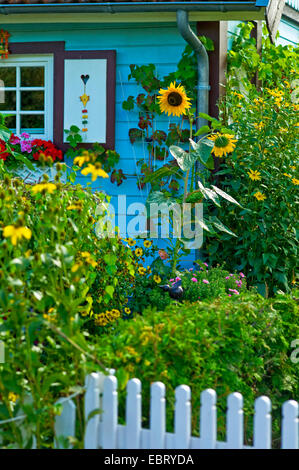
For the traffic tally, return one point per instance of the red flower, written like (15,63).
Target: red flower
(3,154)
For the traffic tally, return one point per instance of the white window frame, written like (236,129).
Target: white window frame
(45,61)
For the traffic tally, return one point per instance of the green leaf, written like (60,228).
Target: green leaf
(20,157)
(202,130)
(220,226)
(209,194)
(225,195)
(185,159)
(203,151)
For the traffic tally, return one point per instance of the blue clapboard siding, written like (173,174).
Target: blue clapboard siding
(160,44)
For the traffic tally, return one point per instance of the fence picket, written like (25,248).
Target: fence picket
(290,425)
(208,419)
(65,423)
(262,423)
(103,430)
(133,415)
(235,421)
(92,404)
(157,416)
(110,416)
(182,417)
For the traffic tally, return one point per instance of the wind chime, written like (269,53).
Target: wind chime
(84,99)
(4,35)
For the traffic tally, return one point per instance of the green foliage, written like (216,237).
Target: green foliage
(56,277)
(240,343)
(262,173)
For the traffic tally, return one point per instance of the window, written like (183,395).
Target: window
(26,95)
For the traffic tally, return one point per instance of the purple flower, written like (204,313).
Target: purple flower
(194,279)
(26,146)
(205,281)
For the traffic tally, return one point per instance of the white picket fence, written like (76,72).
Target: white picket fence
(103,430)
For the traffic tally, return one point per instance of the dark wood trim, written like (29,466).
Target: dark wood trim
(57,48)
(217,31)
(110,56)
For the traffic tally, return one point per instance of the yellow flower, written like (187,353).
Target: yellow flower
(147,243)
(138,252)
(286,174)
(141,271)
(260,196)
(16,233)
(223,144)
(75,267)
(101,320)
(81,160)
(293,167)
(254,175)
(174,100)
(12,397)
(75,207)
(239,95)
(44,187)
(295,181)
(95,170)
(88,258)
(131,242)
(157,279)
(259,126)
(127,310)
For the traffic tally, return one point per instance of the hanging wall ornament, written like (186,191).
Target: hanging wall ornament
(84,98)
(4,35)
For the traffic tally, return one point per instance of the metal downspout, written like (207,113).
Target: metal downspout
(202,65)
(203,86)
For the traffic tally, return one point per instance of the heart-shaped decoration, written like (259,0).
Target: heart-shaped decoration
(84,78)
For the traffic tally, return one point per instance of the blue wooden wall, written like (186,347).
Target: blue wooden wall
(160,44)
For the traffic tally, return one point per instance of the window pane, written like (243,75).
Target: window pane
(32,100)
(33,124)
(32,76)
(8,76)
(8,101)
(10,122)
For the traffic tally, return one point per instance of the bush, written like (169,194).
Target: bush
(56,279)
(262,173)
(240,343)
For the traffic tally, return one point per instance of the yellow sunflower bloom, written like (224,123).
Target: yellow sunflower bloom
(95,170)
(295,181)
(81,160)
(157,279)
(223,144)
(260,196)
(16,233)
(147,243)
(142,271)
(138,252)
(254,175)
(127,310)
(131,242)
(174,100)
(44,187)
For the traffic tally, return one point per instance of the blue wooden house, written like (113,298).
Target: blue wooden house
(54,44)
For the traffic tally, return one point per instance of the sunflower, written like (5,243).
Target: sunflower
(147,243)
(260,196)
(174,100)
(295,181)
(131,242)
(223,144)
(141,271)
(254,175)
(138,252)
(157,279)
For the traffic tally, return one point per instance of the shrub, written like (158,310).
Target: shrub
(56,278)
(240,343)
(262,173)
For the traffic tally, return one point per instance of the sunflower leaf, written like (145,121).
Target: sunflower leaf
(209,194)
(225,195)
(184,159)
(203,151)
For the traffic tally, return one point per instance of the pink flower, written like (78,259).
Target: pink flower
(229,295)
(206,264)
(24,135)
(205,281)
(26,146)
(241,275)
(14,140)
(177,279)
(194,279)
(190,269)
(227,277)
(239,283)
(171,280)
